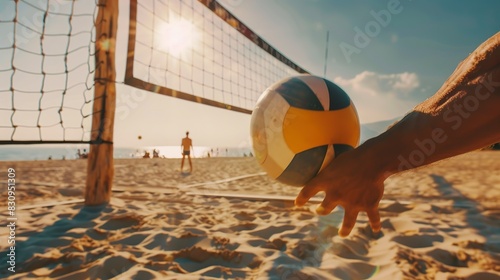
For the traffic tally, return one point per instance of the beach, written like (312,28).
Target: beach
(228,220)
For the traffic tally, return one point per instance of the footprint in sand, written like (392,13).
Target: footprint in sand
(270,231)
(245,216)
(244,226)
(133,240)
(197,258)
(456,259)
(122,221)
(418,240)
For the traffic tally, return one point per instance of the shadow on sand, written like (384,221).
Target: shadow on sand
(484,222)
(486,225)
(53,236)
(318,244)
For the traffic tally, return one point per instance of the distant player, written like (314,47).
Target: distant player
(186,146)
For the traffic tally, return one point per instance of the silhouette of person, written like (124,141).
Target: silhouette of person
(156,153)
(186,147)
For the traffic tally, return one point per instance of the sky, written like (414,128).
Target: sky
(387,55)
(405,49)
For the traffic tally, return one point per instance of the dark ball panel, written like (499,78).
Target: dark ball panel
(341,148)
(338,97)
(304,166)
(298,94)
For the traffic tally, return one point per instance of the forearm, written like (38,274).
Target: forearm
(434,137)
(462,116)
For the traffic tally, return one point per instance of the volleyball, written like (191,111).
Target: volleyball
(299,125)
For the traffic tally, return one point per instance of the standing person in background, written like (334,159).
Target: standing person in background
(186,147)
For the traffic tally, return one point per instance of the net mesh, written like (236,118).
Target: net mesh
(197,50)
(46,70)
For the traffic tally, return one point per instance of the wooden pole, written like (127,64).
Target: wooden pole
(100,165)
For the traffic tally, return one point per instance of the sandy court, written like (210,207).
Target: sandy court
(439,222)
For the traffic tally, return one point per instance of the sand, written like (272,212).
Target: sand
(439,222)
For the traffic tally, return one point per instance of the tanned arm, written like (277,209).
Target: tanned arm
(462,116)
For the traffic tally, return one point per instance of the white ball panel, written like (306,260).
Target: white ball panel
(329,156)
(318,86)
(277,149)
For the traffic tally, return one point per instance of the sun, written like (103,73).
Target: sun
(177,36)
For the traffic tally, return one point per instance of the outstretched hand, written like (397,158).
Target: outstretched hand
(348,184)
(355,179)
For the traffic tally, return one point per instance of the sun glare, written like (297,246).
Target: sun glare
(177,36)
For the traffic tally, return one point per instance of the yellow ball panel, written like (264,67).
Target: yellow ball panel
(305,129)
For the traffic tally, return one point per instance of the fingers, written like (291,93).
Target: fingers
(326,206)
(348,223)
(306,193)
(374,218)
(350,217)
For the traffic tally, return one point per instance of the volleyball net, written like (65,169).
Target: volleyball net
(195,50)
(46,71)
(58,71)
(198,51)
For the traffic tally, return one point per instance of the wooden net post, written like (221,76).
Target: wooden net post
(100,165)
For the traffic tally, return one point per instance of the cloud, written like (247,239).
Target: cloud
(401,85)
